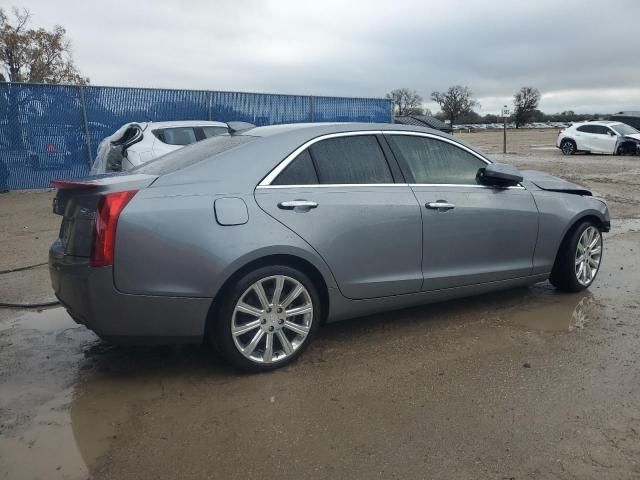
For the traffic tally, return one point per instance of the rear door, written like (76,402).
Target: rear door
(343,197)
(472,233)
(587,138)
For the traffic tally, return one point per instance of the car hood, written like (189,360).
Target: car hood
(634,136)
(550,183)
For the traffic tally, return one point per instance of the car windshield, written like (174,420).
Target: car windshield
(624,129)
(192,154)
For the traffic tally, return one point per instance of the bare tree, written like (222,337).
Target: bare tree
(525,103)
(35,55)
(455,102)
(406,102)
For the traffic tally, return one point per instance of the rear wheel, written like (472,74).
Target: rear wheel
(267,319)
(578,260)
(568,146)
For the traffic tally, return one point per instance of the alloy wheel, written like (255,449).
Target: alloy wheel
(272,319)
(567,148)
(588,255)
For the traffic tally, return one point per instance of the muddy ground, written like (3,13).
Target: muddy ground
(527,383)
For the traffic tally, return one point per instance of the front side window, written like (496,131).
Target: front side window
(433,161)
(356,159)
(624,129)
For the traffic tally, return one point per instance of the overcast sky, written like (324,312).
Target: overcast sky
(582,55)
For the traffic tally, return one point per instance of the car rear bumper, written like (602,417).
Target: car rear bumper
(91,299)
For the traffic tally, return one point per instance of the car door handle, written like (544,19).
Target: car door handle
(441,205)
(301,204)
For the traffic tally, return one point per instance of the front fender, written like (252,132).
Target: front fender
(559,212)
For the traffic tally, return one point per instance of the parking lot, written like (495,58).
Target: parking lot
(528,383)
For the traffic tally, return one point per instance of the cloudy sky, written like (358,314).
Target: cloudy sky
(582,55)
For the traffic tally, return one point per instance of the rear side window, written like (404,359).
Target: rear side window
(299,172)
(192,154)
(590,129)
(213,131)
(176,136)
(350,160)
(433,161)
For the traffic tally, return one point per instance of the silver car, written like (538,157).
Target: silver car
(253,240)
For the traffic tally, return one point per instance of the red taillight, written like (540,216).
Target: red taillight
(106,221)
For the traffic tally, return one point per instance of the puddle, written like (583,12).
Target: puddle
(40,353)
(555,312)
(542,147)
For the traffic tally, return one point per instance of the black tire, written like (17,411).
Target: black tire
(627,149)
(568,146)
(563,275)
(220,327)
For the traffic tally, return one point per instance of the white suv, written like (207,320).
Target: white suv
(136,143)
(613,138)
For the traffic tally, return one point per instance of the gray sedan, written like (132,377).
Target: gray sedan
(253,240)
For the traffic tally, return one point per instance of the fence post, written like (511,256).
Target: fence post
(86,124)
(210,103)
(311,108)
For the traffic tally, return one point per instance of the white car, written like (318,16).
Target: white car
(612,138)
(136,143)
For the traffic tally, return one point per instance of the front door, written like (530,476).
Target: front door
(605,140)
(340,196)
(472,234)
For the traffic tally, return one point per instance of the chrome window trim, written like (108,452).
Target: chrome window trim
(369,185)
(335,185)
(461,185)
(442,139)
(266,181)
(459,145)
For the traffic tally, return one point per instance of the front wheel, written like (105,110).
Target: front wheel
(267,318)
(578,260)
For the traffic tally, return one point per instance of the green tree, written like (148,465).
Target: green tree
(35,54)
(31,55)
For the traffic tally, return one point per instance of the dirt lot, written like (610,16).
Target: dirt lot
(521,384)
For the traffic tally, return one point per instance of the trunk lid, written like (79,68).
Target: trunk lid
(77,202)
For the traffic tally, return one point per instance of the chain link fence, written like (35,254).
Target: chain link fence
(52,131)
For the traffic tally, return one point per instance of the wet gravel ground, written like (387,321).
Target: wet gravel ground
(527,383)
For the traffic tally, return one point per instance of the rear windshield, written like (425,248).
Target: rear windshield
(624,129)
(192,154)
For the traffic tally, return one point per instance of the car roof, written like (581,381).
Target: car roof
(184,123)
(312,130)
(245,165)
(596,122)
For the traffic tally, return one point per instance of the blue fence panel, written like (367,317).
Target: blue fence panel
(338,109)
(43,131)
(259,108)
(41,135)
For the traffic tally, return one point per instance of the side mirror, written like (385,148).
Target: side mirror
(611,133)
(499,175)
